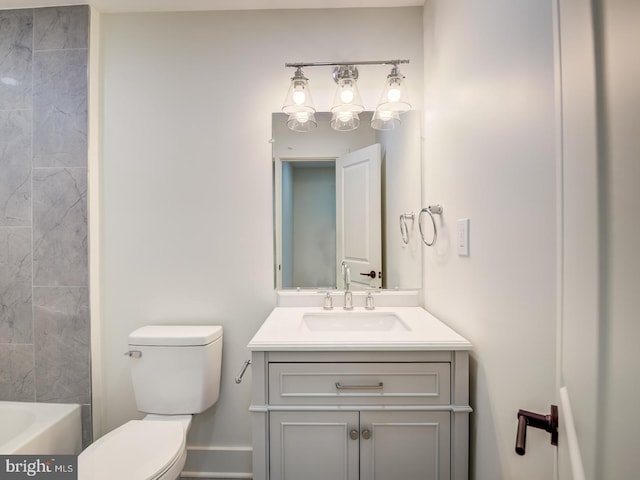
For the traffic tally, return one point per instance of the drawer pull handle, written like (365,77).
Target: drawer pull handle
(373,386)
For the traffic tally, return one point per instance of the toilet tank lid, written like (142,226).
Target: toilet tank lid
(178,335)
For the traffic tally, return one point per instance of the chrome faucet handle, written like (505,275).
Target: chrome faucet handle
(369,302)
(328,302)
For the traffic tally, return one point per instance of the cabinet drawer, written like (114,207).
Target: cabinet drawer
(359,383)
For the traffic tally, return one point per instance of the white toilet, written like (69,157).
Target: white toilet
(176,373)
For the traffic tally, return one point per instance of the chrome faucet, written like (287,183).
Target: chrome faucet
(348,296)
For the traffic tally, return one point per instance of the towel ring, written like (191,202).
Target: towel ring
(431,210)
(404,228)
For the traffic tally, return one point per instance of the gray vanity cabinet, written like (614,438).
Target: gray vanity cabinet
(363,445)
(407,445)
(313,445)
(360,415)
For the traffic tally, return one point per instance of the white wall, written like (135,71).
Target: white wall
(187,220)
(402,161)
(489,155)
(579,266)
(619,34)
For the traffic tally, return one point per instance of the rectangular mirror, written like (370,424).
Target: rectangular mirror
(347,196)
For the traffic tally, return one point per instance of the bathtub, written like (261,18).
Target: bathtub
(40,428)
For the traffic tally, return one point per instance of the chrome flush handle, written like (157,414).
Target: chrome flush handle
(133,354)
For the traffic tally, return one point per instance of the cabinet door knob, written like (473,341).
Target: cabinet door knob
(366,434)
(353,434)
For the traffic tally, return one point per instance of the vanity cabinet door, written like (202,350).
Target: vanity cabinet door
(405,445)
(314,445)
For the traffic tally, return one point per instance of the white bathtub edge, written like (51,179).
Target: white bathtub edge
(56,429)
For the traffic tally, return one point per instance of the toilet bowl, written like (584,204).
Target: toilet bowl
(175,374)
(150,449)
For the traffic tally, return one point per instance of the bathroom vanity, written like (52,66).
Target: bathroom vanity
(349,395)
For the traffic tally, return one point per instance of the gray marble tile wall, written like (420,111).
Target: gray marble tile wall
(44,293)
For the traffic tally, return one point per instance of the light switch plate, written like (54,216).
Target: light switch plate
(463,237)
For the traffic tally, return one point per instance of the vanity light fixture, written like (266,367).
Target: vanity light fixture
(298,104)
(394,96)
(345,121)
(385,120)
(347,103)
(347,98)
(302,121)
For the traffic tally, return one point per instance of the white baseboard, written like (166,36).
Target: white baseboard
(218,462)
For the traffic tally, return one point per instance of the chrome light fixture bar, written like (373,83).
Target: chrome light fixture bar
(347,103)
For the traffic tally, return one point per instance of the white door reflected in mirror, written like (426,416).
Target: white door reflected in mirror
(359,215)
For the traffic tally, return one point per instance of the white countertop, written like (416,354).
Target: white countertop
(283,330)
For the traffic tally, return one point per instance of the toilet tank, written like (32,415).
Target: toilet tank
(177,369)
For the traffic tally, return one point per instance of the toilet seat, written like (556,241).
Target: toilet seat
(138,450)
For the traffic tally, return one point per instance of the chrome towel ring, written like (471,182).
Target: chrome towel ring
(431,210)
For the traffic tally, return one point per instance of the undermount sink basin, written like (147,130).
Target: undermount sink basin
(353,322)
(386,328)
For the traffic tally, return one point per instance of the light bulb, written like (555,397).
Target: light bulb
(346,95)
(386,115)
(394,94)
(345,116)
(302,117)
(299,97)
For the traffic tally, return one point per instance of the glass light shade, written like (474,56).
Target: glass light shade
(302,121)
(347,97)
(298,97)
(385,120)
(394,96)
(345,121)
